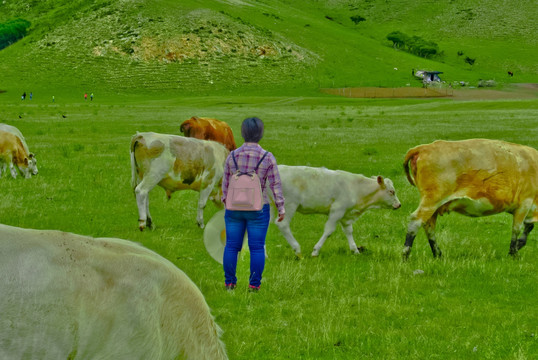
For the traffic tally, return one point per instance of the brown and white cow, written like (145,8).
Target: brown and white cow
(14,153)
(209,129)
(175,163)
(67,296)
(342,195)
(475,177)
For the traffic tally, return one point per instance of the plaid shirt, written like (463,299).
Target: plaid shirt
(247,156)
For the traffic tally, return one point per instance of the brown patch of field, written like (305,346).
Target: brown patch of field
(514,91)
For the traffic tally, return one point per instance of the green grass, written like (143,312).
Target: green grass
(474,303)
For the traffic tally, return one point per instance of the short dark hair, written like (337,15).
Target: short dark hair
(252,129)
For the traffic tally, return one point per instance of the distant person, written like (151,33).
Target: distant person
(23,96)
(85,96)
(412,72)
(31,95)
(91,97)
(52,98)
(247,158)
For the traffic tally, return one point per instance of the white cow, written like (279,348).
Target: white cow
(175,163)
(67,296)
(14,152)
(342,195)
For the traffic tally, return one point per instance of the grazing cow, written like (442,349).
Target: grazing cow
(14,152)
(474,177)
(209,129)
(67,296)
(342,195)
(175,163)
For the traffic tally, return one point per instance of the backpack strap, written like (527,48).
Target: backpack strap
(255,169)
(259,162)
(235,162)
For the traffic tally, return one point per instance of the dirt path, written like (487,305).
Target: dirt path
(512,91)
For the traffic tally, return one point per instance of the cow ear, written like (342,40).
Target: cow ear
(381,182)
(31,156)
(26,161)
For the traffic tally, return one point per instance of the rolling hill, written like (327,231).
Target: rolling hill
(261,47)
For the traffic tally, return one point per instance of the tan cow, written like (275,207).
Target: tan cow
(67,296)
(474,177)
(209,129)
(175,163)
(14,153)
(342,195)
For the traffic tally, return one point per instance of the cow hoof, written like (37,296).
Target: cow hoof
(315,253)
(141,228)
(405,253)
(298,256)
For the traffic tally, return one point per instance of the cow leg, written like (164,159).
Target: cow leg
(522,241)
(142,201)
(418,218)
(347,227)
(202,201)
(13,170)
(330,226)
(429,228)
(517,226)
(285,230)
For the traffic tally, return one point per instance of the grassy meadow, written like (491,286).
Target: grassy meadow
(474,303)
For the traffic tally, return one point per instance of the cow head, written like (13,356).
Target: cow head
(185,127)
(387,194)
(29,166)
(32,164)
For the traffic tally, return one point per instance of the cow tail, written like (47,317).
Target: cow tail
(134,165)
(411,157)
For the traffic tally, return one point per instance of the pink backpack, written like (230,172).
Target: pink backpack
(244,190)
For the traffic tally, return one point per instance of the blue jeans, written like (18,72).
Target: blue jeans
(256,224)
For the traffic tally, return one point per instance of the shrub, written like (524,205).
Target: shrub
(12,30)
(398,38)
(469,61)
(357,19)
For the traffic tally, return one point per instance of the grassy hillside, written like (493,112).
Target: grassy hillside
(246,46)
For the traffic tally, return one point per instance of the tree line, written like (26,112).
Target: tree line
(12,30)
(413,44)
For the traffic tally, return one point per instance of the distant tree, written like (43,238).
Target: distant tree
(12,30)
(357,19)
(398,38)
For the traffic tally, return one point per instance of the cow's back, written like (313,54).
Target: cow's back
(497,170)
(317,188)
(209,129)
(13,130)
(67,296)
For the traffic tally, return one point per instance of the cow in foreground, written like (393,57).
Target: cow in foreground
(175,163)
(476,177)
(209,129)
(14,153)
(67,296)
(342,195)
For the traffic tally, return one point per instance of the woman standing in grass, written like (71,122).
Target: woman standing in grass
(249,156)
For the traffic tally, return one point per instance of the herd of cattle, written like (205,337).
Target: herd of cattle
(54,283)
